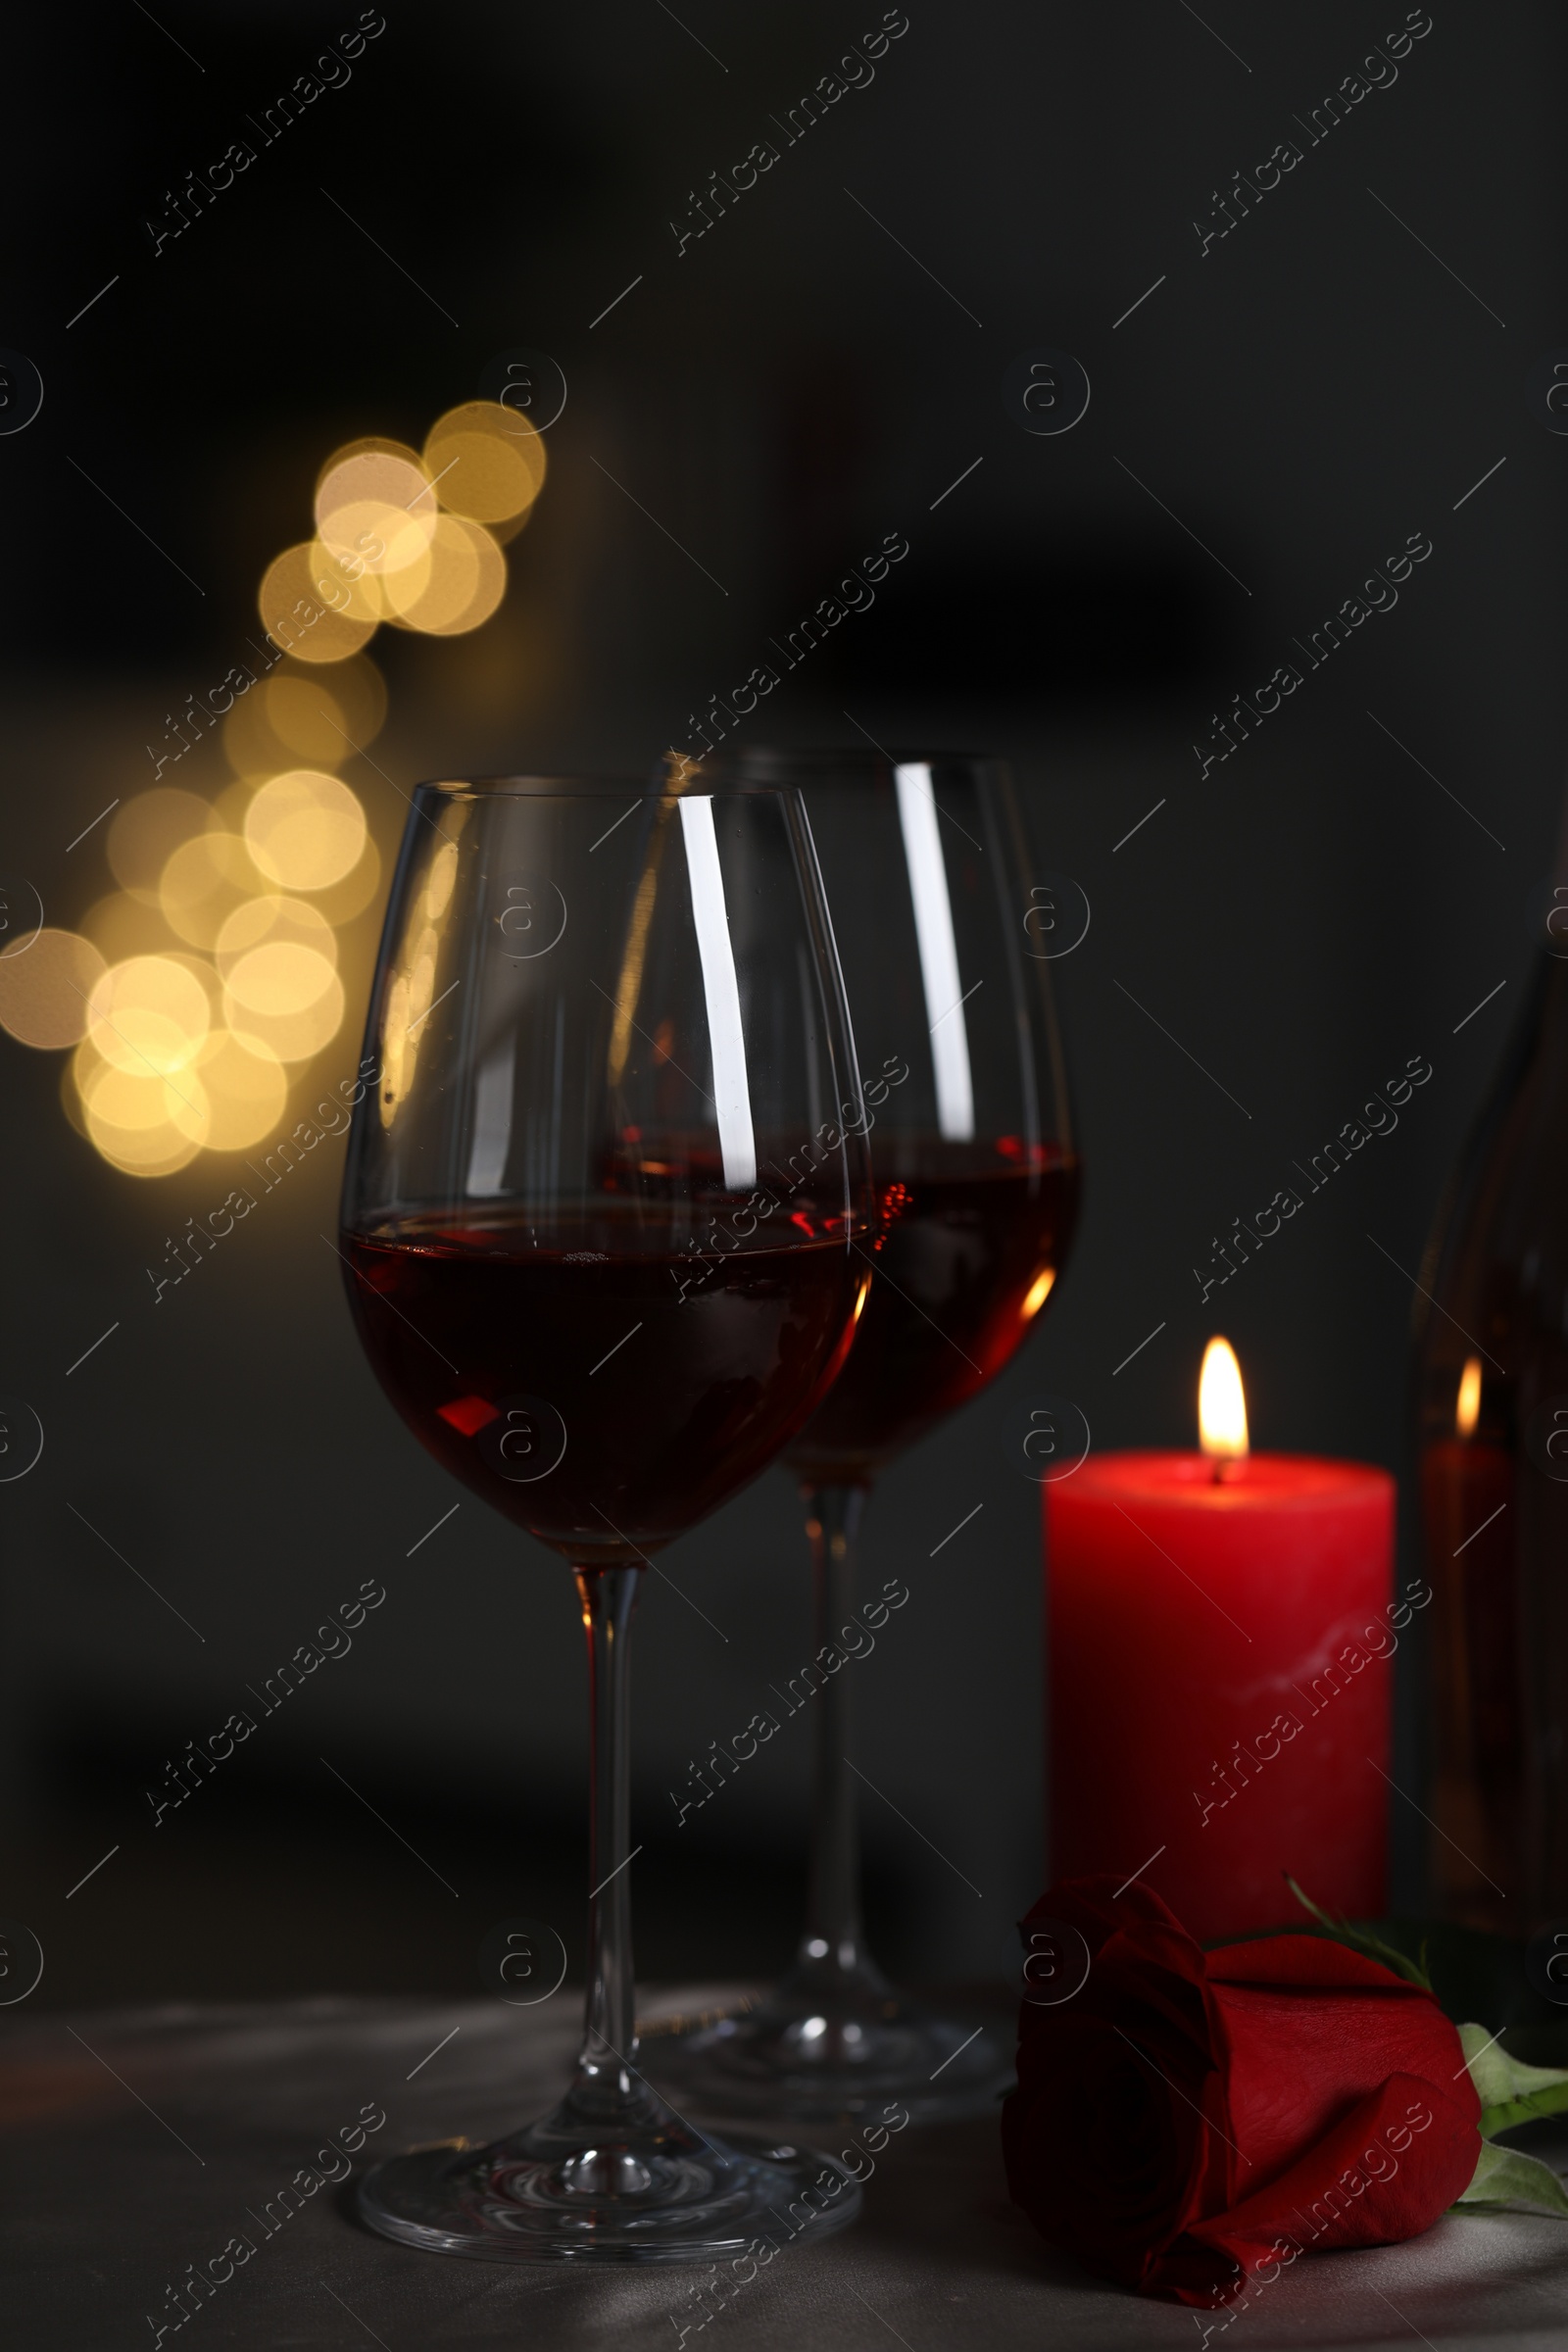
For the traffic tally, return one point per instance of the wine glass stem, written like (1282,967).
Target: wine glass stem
(833,1942)
(607,2072)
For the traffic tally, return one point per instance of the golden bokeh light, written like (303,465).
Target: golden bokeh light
(489,587)
(463,586)
(370,540)
(389,472)
(269,921)
(486,462)
(304,830)
(305,715)
(297,717)
(309,610)
(370,588)
(199,970)
(244,1091)
(166,1150)
(129,1116)
(134,1099)
(278,957)
(147,830)
(119,925)
(45,992)
(192,991)
(235,798)
(70,1102)
(280,978)
(346,899)
(348,583)
(375,510)
(124,1152)
(459,585)
(340,901)
(378,445)
(292,1036)
(148,1016)
(129,1120)
(204,883)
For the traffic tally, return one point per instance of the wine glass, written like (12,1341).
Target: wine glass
(606,1221)
(945,929)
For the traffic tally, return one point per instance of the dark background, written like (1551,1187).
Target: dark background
(1304,396)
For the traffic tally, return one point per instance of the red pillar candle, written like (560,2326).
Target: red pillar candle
(1221,1632)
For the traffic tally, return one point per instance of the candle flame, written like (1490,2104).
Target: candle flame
(1221,1406)
(1467,1412)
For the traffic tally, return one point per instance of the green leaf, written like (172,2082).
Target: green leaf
(1497,2074)
(1508,2177)
(1511,2092)
(1361,1941)
(1527,2110)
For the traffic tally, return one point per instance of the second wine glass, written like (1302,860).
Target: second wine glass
(946,930)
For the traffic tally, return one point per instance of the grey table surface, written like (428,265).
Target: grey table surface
(134,2143)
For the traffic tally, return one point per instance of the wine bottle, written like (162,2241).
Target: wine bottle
(1492,1387)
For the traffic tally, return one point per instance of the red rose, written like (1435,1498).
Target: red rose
(1190,2116)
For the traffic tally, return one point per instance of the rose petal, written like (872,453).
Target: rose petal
(1355,2186)
(1295,2055)
(1104,2151)
(1098,1910)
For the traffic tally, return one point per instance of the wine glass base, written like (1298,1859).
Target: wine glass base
(673,2197)
(814,2063)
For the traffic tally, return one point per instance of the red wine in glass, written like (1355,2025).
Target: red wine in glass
(671,1396)
(965,1260)
(605,1232)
